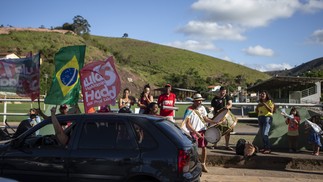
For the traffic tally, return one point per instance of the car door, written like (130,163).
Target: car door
(106,150)
(37,156)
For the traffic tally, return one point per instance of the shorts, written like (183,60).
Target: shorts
(293,133)
(170,118)
(201,142)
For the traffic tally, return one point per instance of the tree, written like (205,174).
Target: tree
(80,25)
(68,26)
(190,80)
(125,35)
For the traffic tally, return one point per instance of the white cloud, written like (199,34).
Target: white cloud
(212,31)
(269,67)
(317,36)
(247,13)
(273,67)
(259,51)
(193,45)
(227,58)
(312,6)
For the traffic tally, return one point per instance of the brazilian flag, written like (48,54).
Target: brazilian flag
(65,86)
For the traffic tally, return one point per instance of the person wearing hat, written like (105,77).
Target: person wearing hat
(195,123)
(167,99)
(218,103)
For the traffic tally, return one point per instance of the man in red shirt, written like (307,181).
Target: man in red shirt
(167,99)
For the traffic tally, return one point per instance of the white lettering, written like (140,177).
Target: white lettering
(109,74)
(101,94)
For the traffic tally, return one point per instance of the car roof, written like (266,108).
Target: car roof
(126,115)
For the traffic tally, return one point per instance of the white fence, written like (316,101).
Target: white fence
(238,105)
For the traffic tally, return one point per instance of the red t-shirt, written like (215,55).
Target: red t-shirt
(166,100)
(292,124)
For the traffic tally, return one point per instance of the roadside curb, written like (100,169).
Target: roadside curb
(275,160)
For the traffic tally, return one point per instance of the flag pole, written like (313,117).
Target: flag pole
(39,52)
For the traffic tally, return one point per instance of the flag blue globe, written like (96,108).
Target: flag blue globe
(69,76)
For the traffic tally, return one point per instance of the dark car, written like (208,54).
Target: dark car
(102,147)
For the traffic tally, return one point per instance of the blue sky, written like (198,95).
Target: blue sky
(260,34)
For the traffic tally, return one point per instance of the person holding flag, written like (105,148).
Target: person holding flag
(65,88)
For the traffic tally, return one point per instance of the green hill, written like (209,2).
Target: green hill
(143,62)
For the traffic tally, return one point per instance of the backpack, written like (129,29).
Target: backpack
(240,146)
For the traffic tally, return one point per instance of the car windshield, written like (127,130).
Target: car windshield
(174,131)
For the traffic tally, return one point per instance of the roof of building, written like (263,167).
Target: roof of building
(179,89)
(277,82)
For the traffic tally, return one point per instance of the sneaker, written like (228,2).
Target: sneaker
(211,147)
(204,169)
(267,151)
(229,148)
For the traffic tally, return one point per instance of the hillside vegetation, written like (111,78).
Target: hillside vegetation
(143,62)
(312,68)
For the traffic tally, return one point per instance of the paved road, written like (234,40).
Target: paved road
(251,175)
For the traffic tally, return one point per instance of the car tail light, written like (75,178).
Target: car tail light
(183,162)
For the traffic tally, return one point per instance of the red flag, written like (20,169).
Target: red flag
(100,83)
(20,76)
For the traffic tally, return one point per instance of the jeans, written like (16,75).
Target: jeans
(264,127)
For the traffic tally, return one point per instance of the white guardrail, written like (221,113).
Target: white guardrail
(235,104)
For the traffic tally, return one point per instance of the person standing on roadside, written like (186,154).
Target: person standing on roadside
(145,99)
(125,102)
(293,124)
(265,110)
(314,138)
(167,99)
(195,123)
(218,103)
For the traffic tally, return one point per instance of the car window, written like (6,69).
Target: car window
(45,137)
(173,131)
(143,137)
(106,135)
(46,130)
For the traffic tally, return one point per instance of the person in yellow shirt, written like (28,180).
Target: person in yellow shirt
(265,110)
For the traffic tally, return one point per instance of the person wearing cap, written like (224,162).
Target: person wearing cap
(218,103)
(195,123)
(63,109)
(167,99)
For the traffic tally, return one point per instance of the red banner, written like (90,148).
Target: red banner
(100,83)
(20,76)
